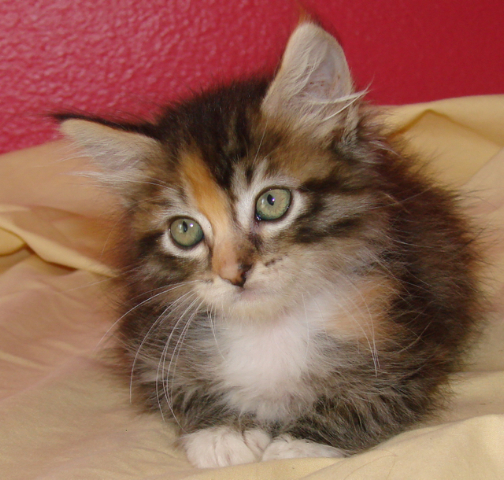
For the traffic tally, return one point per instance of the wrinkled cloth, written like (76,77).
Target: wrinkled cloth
(65,415)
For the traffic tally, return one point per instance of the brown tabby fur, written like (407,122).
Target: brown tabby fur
(370,223)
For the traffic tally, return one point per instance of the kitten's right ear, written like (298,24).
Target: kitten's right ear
(120,154)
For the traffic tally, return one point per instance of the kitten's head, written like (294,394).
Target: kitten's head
(252,196)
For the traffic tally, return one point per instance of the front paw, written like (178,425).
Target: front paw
(224,446)
(286,446)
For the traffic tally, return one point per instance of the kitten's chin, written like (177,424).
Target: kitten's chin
(254,302)
(251,295)
(250,304)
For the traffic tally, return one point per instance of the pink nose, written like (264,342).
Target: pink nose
(238,277)
(232,261)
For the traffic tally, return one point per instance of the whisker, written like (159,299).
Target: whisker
(212,326)
(157,322)
(178,347)
(161,366)
(112,327)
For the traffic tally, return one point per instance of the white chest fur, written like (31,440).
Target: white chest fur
(264,367)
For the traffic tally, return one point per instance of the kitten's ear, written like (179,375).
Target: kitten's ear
(313,89)
(119,154)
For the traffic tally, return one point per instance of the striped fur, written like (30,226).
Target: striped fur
(323,332)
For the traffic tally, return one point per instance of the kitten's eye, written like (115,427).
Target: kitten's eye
(273,204)
(186,232)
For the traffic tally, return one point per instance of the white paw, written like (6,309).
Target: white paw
(289,447)
(224,446)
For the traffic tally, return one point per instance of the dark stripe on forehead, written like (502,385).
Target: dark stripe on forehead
(218,125)
(242,133)
(220,168)
(249,174)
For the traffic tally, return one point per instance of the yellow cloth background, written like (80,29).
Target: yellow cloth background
(63,415)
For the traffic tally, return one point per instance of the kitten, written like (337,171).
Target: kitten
(294,286)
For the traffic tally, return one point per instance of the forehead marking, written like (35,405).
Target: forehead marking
(209,199)
(212,202)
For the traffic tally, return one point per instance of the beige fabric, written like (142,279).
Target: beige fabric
(63,416)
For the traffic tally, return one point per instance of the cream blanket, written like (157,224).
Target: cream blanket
(63,416)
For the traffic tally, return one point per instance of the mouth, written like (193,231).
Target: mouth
(248,293)
(251,294)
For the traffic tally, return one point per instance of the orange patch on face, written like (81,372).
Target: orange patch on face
(212,202)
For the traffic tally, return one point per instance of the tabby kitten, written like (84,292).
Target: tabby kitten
(294,287)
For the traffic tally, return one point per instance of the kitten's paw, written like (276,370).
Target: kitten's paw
(286,446)
(224,446)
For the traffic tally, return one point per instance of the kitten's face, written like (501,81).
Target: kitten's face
(243,197)
(281,229)
(244,255)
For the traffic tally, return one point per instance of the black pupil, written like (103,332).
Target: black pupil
(270,199)
(185,227)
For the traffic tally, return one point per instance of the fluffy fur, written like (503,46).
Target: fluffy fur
(318,333)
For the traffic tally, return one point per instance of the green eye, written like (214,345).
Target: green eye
(273,204)
(186,232)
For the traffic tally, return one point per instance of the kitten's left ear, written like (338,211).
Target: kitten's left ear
(313,89)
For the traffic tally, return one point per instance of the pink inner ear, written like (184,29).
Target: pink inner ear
(327,70)
(313,89)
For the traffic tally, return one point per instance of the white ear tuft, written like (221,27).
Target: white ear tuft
(313,89)
(119,153)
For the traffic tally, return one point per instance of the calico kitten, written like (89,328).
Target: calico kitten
(294,286)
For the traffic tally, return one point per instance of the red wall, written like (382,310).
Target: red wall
(129,56)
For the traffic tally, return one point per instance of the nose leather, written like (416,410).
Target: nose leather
(231,263)
(241,276)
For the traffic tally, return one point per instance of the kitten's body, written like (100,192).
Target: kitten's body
(319,331)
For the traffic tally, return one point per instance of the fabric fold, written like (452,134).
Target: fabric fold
(66,415)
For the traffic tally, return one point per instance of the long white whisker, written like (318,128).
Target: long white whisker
(164,291)
(308,339)
(370,341)
(212,326)
(146,336)
(160,374)
(178,346)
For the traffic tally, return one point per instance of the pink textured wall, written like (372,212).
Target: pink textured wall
(129,56)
